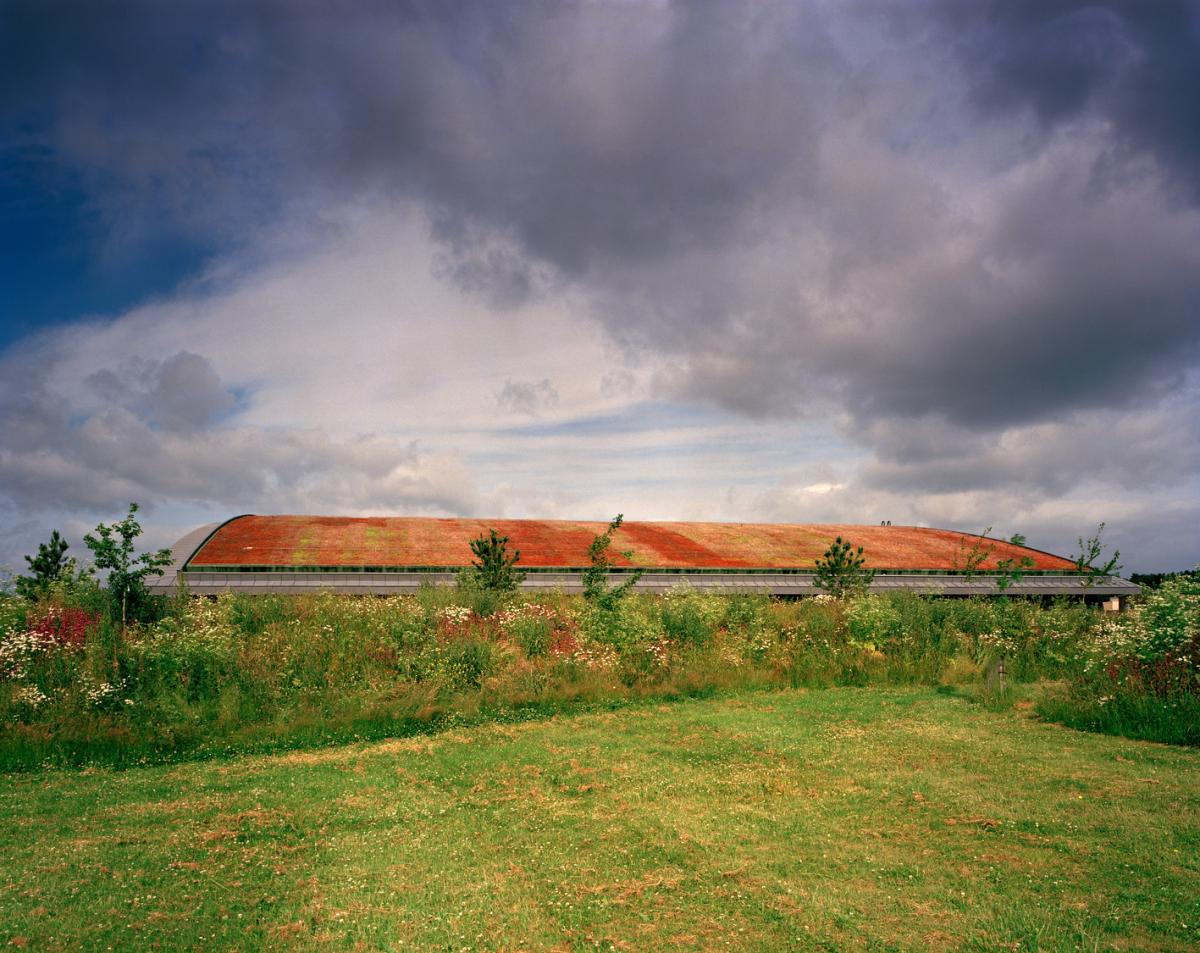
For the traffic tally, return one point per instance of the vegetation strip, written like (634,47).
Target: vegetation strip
(194,676)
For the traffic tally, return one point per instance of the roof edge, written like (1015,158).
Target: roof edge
(216,529)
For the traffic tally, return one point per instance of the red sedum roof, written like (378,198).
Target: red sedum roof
(419,541)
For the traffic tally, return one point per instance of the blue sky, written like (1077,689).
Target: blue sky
(55,265)
(931,262)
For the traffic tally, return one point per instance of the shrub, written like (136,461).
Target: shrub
(68,627)
(744,613)
(481,599)
(210,672)
(626,626)
(1170,621)
(687,618)
(1140,674)
(465,662)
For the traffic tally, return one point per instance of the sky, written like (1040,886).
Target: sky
(834,261)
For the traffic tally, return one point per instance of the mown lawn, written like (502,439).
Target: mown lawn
(837,819)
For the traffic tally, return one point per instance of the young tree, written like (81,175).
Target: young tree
(113,549)
(1012,569)
(841,570)
(968,561)
(595,577)
(49,566)
(1090,551)
(493,568)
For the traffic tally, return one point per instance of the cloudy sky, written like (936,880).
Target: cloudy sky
(932,262)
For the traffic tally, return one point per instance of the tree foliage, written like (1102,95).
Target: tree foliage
(50,566)
(596,588)
(494,568)
(113,549)
(967,561)
(841,571)
(1012,569)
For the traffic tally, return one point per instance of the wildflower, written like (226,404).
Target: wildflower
(19,650)
(30,696)
(454,615)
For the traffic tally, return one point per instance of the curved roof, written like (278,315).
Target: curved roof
(409,542)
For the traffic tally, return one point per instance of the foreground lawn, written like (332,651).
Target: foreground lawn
(837,819)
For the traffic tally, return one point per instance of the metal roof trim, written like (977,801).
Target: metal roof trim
(934,583)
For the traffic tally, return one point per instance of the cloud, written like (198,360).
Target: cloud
(527,397)
(198,404)
(97,461)
(182,393)
(1135,452)
(824,219)
(1135,65)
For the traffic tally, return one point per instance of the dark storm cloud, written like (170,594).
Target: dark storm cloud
(1135,63)
(1139,452)
(584,131)
(794,204)
(1075,298)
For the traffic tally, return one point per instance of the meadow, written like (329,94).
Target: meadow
(878,818)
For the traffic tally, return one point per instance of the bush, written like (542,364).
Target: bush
(480,598)
(1120,709)
(1140,674)
(465,663)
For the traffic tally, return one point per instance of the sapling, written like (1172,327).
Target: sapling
(841,571)
(595,577)
(1091,550)
(968,561)
(113,549)
(1012,569)
(493,568)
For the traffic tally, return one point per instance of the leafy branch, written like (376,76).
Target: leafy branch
(1091,551)
(968,561)
(1011,569)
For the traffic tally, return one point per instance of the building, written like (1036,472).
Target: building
(395,555)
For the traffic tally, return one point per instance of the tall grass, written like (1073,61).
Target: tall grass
(1139,675)
(242,672)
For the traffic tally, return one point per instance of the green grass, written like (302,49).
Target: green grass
(872,819)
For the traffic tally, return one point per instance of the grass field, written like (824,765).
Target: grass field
(881,819)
